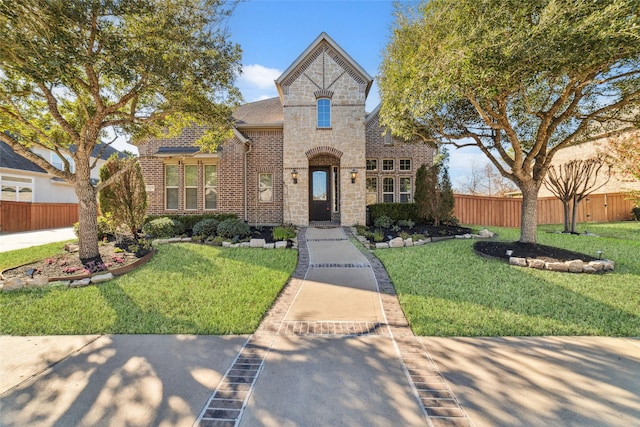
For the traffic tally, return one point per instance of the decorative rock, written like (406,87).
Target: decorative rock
(245,245)
(485,233)
(174,240)
(589,269)
(396,243)
(185,239)
(361,239)
(161,241)
(556,266)
(235,245)
(80,283)
(608,265)
(281,245)
(13,284)
(60,284)
(101,278)
(419,243)
(520,262)
(408,242)
(382,245)
(226,244)
(269,245)
(464,236)
(575,266)
(40,281)
(70,247)
(596,265)
(257,243)
(535,263)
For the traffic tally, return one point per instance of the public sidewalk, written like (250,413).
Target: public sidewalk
(335,349)
(27,239)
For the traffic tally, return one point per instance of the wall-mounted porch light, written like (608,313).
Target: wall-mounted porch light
(354,174)
(294,176)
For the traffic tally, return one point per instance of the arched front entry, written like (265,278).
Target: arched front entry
(324,185)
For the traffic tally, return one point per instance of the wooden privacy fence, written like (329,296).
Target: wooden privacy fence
(505,212)
(22,216)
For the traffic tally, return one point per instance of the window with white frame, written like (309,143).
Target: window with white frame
(191,187)
(387,164)
(265,187)
(405,190)
(210,187)
(324,112)
(16,189)
(387,190)
(405,164)
(372,164)
(171,186)
(372,190)
(57,162)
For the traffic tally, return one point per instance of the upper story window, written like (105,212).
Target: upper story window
(405,164)
(324,112)
(372,164)
(387,165)
(57,162)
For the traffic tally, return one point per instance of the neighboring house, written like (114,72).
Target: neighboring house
(310,154)
(21,180)
(618,183)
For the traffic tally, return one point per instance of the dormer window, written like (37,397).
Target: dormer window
(324,112)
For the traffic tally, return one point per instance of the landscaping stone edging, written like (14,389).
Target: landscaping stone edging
(71,281)
(398,242)
(573,266)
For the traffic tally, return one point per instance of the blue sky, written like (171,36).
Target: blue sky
(273,33)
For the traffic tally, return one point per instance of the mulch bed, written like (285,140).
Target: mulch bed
(528,250)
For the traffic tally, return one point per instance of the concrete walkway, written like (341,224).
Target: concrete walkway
(13,241)
(335,349)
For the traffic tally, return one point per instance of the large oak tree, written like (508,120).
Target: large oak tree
(518,80)
(71,69)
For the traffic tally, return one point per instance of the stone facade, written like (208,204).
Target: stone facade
(280,136)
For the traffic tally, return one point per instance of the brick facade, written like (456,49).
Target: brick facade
(278,136)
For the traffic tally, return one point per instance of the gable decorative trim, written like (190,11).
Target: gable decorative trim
(323,150)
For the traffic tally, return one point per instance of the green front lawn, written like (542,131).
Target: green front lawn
(184,289)
(445,289)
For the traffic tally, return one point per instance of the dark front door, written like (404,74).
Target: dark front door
(319,194)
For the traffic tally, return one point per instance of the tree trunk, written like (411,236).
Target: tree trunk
(567,214)
(574,215)
(529,221)
(88,215)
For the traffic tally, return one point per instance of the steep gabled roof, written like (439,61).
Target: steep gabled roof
(306,58)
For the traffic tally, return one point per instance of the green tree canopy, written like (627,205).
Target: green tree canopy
(70,69)
(519,80)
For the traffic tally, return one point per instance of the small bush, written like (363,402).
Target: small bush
(206,227)
(404,235)
(361,229)
(232,227)
(635,213)
(189,221)
(283,232)
(416,237)
(383,221)
(163,228)
(395,211)
(406,223)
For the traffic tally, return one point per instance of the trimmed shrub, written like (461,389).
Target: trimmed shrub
(395,211)
(406,223)
(189,221)
(232,227)
(163,228)
(635,213)
(206,227)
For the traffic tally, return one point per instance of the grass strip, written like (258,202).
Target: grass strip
(445,289)
(185,289)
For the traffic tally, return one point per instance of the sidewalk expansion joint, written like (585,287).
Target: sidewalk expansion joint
(336,265)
